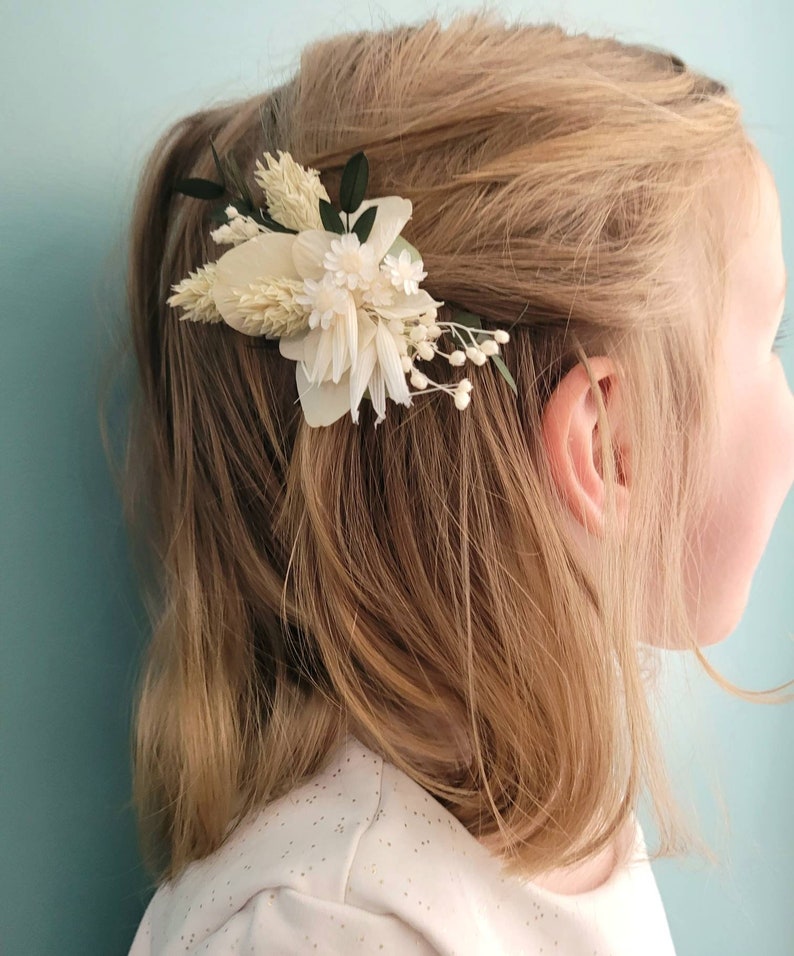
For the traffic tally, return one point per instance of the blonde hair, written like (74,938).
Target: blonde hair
(414,585)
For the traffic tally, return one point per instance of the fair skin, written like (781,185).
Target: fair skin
(752,473)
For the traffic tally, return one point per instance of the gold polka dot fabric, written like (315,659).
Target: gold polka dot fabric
(361,859)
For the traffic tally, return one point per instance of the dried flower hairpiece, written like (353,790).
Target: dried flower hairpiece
(341,297)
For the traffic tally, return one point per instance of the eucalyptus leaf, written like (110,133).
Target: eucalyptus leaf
(363,225)
(332,221)
(354,182)
(470,320)
(198,188)
(505,372)
(242,205)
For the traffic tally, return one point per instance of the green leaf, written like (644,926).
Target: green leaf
(242,205)
(218,165)
(470,320)
(363,225)
(271,223)
(505,372)
(332,221)
(218,214)
(354,182)
(198,188)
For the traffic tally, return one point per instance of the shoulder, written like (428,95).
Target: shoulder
(280,919)
(284,874)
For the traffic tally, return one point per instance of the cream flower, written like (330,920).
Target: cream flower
(194,295)
(404,272)
(327,301)
(378,367)
(367,340)
(379,292)
(292,192)
(352,263)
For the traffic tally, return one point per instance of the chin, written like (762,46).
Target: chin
(719,626)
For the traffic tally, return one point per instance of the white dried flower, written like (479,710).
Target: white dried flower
(379,292)
(194,295)
(272,307)
(403,272)
(325,300)
(238,229)
(475,354)
(351,262)
(293,193)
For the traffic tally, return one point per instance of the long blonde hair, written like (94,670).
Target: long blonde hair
(414,585)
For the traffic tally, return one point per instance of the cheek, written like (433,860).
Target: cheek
(753,474)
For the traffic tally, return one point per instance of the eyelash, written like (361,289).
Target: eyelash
(782,332)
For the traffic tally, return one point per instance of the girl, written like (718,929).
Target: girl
(397,695)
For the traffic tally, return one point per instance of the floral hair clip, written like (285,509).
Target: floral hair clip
(341,295)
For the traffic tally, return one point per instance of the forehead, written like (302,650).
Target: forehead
(756,269)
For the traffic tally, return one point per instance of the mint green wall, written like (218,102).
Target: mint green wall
(86,87)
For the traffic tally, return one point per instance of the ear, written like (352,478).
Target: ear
(573,443)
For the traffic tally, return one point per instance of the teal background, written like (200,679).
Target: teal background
(86,88)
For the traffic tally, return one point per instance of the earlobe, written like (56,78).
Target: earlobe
(572,440)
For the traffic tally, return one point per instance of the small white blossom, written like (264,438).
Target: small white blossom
(475,354)
(489,347)
(501,336)
(379,292)
(238,229)
(325,299)
(457,357)
(352,263)
(403,272)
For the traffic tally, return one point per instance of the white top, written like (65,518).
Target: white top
(361,859)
